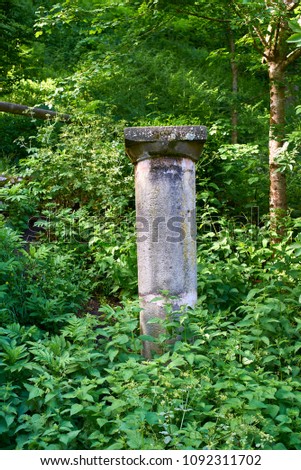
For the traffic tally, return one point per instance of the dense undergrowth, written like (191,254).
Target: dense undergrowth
(76,381)
(70,379)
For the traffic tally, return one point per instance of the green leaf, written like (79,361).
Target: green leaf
(190,358)
(34,391)
(256,404)
(233,403)
(284,394)
(121,339)
(115,446)
(76,408)
(295,440)
(295,38)
(285,429)
(112,354)
(279,446)
(50,396)
(127,374)
(135,439)
(179,361)
(283,419)
(163,359)
(202,360)
(70,394)
(272,410)
(115,406)
(253,180)
(9,420)
(151,418)
(101,422)
(295,26)
(147,338)
(269,359)
(70,436)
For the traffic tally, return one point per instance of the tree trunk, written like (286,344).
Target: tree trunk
(278,203)
(234,75)
(37,113)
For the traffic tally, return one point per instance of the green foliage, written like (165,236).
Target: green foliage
(16,20)
(245,179)
(40,286)
(296,28)
(70,380)
(232,381)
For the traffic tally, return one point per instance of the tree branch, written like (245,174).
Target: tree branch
(249,22)
(294,55)
(260,35)
(276,37)
(38,113)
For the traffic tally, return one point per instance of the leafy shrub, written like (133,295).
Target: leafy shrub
(79,189)
(41,285)
(231,382)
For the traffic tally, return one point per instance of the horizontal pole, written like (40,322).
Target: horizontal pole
(38,113)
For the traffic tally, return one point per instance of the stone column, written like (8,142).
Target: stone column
(164,159)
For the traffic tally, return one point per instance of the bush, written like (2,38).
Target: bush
(228,384)
(40,286)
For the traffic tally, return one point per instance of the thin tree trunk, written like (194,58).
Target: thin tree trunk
(234,75)
(37,113)
(278,202)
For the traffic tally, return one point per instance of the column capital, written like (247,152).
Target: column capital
(142,143)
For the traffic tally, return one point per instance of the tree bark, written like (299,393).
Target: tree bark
(37,113)
(278,59)
(278,202)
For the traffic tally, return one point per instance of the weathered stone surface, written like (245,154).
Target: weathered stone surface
(166,224)
(176,141)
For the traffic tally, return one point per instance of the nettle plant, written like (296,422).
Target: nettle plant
(39,285)
(230,381)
